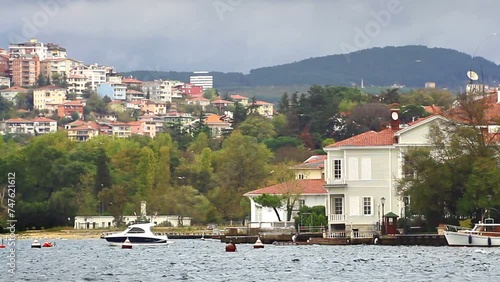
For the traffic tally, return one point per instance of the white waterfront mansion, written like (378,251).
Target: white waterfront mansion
(357,183)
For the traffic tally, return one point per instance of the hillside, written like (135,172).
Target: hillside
(408,65)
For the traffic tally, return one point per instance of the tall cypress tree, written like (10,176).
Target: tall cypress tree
(103,177)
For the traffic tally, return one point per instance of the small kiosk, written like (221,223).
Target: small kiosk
(391,223)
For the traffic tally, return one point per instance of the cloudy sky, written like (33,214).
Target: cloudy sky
(240,35)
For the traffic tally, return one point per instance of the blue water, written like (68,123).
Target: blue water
(197,260)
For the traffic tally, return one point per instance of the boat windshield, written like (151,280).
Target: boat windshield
(136,230)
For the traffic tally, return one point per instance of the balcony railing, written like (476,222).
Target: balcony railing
(351,234)
(336,218)
(336,181)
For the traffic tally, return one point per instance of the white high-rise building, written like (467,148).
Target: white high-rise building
(28,48)
(95,74)
(201,78)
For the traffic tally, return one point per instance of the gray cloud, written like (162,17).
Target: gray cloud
(239,35)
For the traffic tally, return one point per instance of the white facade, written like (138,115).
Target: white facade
(4,81)
(161,91)
(31,47)
(266,216)
(95,74)
(77,85)
(36,126)
(201,78)
(358,175)
(107,221)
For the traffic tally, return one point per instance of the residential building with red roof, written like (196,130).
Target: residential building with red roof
(132,82)
(311,193)
(221,104)
(77,84)
(361,174)
(36,126)
(217,124)
(265,109)
(48,97)
(189,90)
(143,128)
(240,99)
(82,133)
(312,168)
(10,93)
(66,109)
(201,101)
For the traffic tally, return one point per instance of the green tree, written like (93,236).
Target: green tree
(258,126)
(284,104)
(103,177)
(271,201)
(242,162)
(452,177)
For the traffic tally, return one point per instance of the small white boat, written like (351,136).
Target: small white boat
(482,235)
(138,234)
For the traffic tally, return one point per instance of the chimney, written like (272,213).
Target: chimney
(394,119)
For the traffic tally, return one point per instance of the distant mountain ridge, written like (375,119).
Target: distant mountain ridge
(412,66)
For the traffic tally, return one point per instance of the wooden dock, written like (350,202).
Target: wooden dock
(386,240)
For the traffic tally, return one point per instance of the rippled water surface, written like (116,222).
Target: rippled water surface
(197,260)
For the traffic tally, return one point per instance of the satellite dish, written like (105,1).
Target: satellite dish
(472,75)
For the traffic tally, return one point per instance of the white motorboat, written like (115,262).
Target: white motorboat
(138,234)
(482,235)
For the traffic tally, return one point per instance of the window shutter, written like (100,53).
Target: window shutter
(366,168)
(353,169)
(354,206)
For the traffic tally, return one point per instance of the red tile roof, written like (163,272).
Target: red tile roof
(238,97)
(43,119)
(17,120)
(131,80)
(491,112)
(303,186)
(84,127)
(213,119)
(434,110)
(199,99)
(370,138)
(50,87)
(313,162)
(262,103)
(15,88)
(220,101)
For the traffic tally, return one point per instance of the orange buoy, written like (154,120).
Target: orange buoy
(258,244)
(2,246)
(47,245)
(127,244)
(231,247)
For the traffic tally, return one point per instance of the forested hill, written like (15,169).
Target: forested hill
(408,65)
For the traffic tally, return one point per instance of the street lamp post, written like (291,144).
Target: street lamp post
(489,205)
(406,201)
(382,201)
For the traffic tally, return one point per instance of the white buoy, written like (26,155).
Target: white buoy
(127,244)
(203,236)
(258,244)
(36,244)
